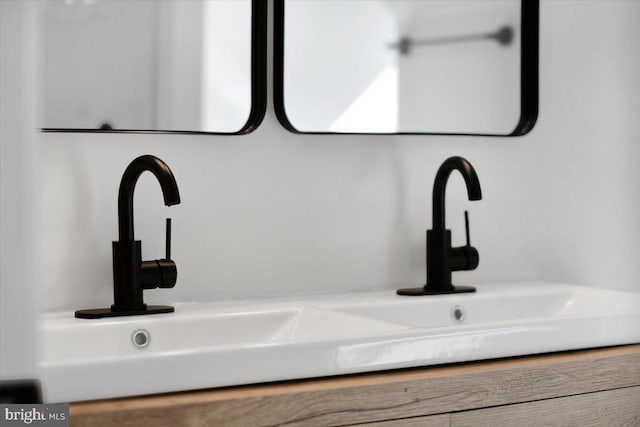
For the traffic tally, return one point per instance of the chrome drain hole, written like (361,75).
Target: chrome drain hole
(140,338)
(457,313)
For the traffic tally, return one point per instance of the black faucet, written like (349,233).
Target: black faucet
(442,259)
(131,275)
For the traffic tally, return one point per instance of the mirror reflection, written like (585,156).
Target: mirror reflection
(401,66)
(147,64)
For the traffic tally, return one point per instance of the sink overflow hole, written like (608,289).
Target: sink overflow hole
(140,338)
(457,313)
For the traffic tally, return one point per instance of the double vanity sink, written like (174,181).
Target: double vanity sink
(203,345)
(130,348)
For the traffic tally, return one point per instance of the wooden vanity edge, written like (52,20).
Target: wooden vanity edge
(378,396)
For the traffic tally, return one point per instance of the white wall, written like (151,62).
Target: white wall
(274,213)
(20,233)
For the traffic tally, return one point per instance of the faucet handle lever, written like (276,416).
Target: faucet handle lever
(465,257)
(466,227)
(159,273)
(168,241)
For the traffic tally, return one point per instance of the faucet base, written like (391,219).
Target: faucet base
(414,292)
(98,313)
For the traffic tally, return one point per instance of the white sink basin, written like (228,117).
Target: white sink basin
(484,307)
(192,328)
(205,345)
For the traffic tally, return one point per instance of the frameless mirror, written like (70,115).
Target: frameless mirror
(149,65)
(407,66)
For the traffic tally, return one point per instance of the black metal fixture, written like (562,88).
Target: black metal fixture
(18,391)
(442,259)
(504,37)
(520,32)
(131,275)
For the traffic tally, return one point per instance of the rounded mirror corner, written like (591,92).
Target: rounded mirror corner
(177,86)
(301,37)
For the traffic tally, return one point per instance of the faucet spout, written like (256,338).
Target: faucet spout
(132,275)
(442,258)
(440,184)
(127,186)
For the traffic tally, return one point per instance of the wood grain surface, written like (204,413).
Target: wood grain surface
(442,420)
(619,408)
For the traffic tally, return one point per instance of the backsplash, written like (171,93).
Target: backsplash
(273,213)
